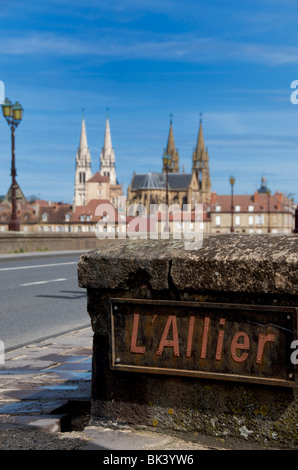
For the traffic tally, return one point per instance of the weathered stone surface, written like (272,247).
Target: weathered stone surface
(123,263)
(233,263)
(241,263)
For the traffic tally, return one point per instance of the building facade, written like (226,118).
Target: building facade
(259,213)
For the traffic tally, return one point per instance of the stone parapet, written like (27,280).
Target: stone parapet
(245,286)
(22,242)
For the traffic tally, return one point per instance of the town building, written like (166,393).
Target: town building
(261,212)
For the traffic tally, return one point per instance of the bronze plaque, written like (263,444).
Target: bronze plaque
(218,341)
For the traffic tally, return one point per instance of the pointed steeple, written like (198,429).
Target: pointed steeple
(83,138)
(200,153)
(107,157)
(200,165)
(200,141)
(107,139)
(171,151)
(83,168)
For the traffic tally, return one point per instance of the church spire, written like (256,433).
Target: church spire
(171,150)
(83,168)
(200,154)
(200,141)
(200,165)
(107,157)
(107,139)
(83,138)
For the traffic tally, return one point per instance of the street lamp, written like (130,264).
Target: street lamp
(268,195)
(232,182)
(13,115)
(167,160)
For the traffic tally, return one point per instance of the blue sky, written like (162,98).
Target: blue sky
(233,61)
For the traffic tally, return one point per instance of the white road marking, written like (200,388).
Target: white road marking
(38,266)
(42,282)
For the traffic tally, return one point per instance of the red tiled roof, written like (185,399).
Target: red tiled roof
(56,213)
(41,202)
(98,178)
(90,209)
(258,200)
(25,212)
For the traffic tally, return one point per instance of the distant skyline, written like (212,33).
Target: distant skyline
(232,61)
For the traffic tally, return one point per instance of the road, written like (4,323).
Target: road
(40,298)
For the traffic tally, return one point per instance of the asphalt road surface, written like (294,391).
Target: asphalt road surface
(40,298)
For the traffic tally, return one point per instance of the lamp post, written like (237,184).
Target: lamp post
(13,115)
(268,195)
(232,182)
(167,162)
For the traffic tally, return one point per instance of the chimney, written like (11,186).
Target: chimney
(213,197)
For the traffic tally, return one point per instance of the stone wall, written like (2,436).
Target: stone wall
(229,269)
(28,242)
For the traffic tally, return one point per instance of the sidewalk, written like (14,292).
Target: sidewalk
(45,402)
(45,398)
(36,384)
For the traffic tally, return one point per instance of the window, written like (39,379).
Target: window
(250,208)
(260,219)
(250,220)
(44,217)
(82,218)
(237,220)
(237,208)
(82,177)
(217,208)
(217,220)
(67,217)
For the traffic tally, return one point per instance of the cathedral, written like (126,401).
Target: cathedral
(171,185)
(101,185)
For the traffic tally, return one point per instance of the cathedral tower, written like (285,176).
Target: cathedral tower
(107,157)
(83,169)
